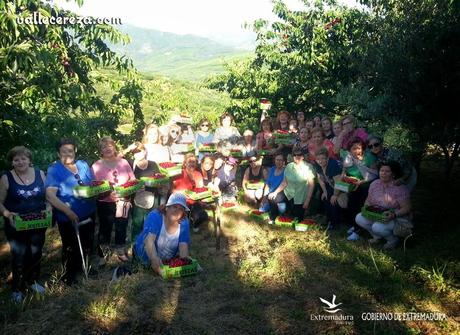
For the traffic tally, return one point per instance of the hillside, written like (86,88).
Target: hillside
(185,57)
(164,96)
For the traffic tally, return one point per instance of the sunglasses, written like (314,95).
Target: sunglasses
(205,125)
(78,178)
(252,160)
(375,145)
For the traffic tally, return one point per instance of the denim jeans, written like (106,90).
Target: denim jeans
(26,251)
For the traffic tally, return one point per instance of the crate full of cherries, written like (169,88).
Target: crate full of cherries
(156,180)
(305,224)
(285,222)
(95,188)
(374,213)
(346,184)
(198,193)
(28,221)
(128,188)
(179,267)
(170,169)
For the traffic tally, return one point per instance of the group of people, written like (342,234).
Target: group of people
(318,154)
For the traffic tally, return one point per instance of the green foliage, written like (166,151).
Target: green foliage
(163,98)
(390,62)
(46,87)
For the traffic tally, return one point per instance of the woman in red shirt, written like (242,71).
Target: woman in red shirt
(190,179)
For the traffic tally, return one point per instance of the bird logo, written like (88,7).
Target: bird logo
(331,305)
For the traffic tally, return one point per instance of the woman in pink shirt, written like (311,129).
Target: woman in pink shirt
(264,137)
(395,199)
(349,132)
(111,209)
(317,141)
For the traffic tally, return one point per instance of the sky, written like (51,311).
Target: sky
(217,19)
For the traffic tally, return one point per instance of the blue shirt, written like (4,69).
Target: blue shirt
(152,225)
(274,181)
(60,177)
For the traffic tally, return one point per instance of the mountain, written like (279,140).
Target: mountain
(186,57)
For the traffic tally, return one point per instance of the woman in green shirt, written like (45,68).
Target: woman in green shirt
(298,184)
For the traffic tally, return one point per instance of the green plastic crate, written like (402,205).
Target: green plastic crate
(207,148)
(259,217)
(283,140)
(344,187)
(264,152)
(255,185)
(87,191)
(229,209)
(155,182)
(180,271)
(21,224)
(126,192)
(173,171)
(236,154)
(304,226)
(198,196)
(374,216)
(285,224)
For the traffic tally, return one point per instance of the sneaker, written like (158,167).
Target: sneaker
(17,297)
(353,237)
(37,288)
(374,240)
(271,222)
(351,230)
(390,245)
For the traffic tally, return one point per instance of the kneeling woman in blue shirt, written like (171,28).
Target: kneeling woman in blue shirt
(166,233)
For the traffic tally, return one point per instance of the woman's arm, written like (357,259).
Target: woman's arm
(311,186)
(323,187)
(264,173)
(149,247)
(405,209)
(280,188)
(3,192)
(51,196)
(245,178)
(183,250)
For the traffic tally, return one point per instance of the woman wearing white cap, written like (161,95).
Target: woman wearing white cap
(166,233)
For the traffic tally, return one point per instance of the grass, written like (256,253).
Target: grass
(264,280)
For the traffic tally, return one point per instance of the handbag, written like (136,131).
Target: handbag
(402,227)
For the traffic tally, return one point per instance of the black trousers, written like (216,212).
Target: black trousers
(198,215)
(274,212)
(26,253)
(71,257)
(332,211)
(356,201)
(107,219)
(296,211)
